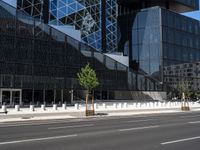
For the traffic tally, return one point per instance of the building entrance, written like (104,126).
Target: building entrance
(11,96)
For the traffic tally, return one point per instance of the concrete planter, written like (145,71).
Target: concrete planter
(17,108)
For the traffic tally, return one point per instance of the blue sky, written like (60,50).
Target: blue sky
(195,14)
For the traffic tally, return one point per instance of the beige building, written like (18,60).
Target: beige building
(190,72)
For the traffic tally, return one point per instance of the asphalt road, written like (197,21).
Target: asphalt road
(179,131)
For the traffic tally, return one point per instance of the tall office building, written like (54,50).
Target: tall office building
(130,44)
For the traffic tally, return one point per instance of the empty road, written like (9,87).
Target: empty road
(178,131)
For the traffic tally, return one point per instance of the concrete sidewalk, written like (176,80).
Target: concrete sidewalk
(49,114)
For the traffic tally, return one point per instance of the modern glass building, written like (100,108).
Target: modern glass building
(44,43)
(158,38)
(81,19)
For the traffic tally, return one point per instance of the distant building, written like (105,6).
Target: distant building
(175,74)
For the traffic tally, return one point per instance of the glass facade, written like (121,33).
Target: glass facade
(35,57)
(85,16)
(80,17)
(33,8)
(181,48)
(143,40)
(191,3)
(111,25)
(162,44)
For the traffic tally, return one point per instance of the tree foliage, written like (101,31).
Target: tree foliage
(87,78)
(183,87)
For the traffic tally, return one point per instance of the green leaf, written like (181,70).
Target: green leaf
(87,78)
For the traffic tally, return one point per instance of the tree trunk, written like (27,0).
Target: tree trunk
(88,110)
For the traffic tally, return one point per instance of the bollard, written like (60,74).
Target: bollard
(114,105)
(32,108)
(159,104)
(104,105)
(17,108)
(43,107)
(76,106)
(136,105)
(95,106)
(154,104)
(64,107)
(54,107)
(120,105)
(140,104)
(125,105)
(4,108)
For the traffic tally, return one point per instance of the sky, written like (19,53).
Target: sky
(195,14)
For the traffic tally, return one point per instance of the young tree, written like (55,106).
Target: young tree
(183,87)
(184,93)
(88,79)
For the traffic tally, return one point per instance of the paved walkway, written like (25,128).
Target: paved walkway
(49,114)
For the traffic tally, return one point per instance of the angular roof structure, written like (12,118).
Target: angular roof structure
(179,6)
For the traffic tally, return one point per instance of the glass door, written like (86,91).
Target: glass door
(6,97)
(10,96)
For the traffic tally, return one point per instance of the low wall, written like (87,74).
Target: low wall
(101,106)
(140,95)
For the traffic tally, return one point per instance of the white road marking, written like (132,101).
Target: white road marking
(138,128)
(18,124)
(73,126)
(190,116)
(38,139)
(141,120)
(31,124)
(181,140)
(194,122)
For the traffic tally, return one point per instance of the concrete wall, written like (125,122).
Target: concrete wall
(119,58)
(140,95)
